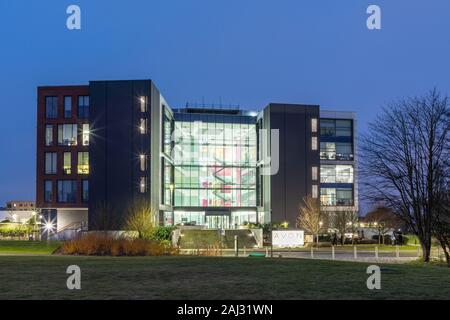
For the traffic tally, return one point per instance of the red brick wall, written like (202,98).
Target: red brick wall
(42,121)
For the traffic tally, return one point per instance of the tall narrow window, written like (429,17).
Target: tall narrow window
(85,191)
(51,107)
(143,162)
(315,173)
(85,134)
(48,191)
(313,125)
(67,165)
(83,107)
(143,126)
(315,191)
(83,162)
(143,185)
(67,107)
(48,135)
(314,143)
(50,163)
(143,102)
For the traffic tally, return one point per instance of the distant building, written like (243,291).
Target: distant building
(18,211)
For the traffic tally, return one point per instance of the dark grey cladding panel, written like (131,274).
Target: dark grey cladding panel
(293,180)
(116,144)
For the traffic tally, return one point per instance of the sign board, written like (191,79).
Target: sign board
(288,238)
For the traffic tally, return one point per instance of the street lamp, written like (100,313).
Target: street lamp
(320,228)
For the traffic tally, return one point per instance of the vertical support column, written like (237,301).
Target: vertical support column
(376,252)
(397,252)
(355,253)
(236,248)
(312,253)
(332,253)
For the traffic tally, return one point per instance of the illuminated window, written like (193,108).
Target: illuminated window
(67,107)
(143,162)
(314,143)
(50,162)
(48,135)
(314,173)
(67,134)
(83,162)
(143,126)
(315,191)
(143,102)
(313,125)
(143,185)
(85,134)
(67,165)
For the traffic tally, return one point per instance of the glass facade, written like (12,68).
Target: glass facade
(336,174)
(336,196)
(215,162)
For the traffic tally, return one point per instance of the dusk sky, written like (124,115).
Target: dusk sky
(246,52)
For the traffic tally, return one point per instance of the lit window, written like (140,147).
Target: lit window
(50,163)
(314,173)
(143,185)
(67,134)
(67,107)
(67,166)
(85,134)
(143,162)
(143,101)
(313,125)
(83,162)
(48,135)
(314,143)
(143,126)
(315,191)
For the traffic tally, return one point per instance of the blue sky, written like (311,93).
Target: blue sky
(247,52)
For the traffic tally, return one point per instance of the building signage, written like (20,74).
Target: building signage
(288,238)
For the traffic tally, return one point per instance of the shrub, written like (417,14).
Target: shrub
(162,233)
(95,244)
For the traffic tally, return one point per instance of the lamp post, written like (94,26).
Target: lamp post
(320,228)
(379,232)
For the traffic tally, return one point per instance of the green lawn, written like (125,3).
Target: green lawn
(185,277)
(28,247)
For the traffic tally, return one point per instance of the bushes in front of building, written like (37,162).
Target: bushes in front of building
(102,244)
(15,230)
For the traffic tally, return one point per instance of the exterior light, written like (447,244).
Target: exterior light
(49,226)
(320,223)
(171,186)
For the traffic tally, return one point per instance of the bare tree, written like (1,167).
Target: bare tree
(403,155)
(383,220)
(310,217)
(140,218)
(345,221)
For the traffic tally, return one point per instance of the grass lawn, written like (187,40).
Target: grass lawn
(28,247)
(185,277)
